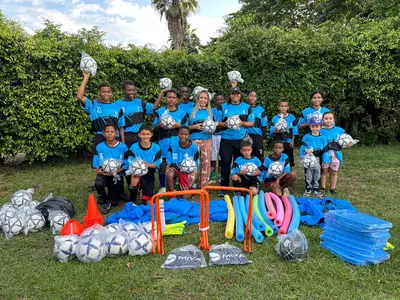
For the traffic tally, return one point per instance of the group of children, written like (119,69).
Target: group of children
(120,133)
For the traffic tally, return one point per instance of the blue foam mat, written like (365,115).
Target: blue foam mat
(358,221)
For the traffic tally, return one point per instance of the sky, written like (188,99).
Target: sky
(124,21)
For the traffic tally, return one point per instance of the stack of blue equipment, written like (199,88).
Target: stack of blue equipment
(355,237)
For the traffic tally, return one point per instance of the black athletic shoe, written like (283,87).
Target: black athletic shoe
(333,192)
(101,200)
(106,208)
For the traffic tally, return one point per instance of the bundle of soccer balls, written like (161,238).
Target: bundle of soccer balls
(166,83)
(20,215)
(97,242)
(88,64)
(235,76)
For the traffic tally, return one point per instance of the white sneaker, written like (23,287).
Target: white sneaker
(162,190)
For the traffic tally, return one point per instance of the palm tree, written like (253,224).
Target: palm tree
(191,41)
(176,13)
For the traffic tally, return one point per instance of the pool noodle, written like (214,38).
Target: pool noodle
(294,224)
(268,229)
(271,214)
(279,209)
(263,211)
(239,229)
(254,232)
(231,218)
(254,218)
(287,215)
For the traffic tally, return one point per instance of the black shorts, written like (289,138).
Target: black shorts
(131,138)
(146,185)
(247,181)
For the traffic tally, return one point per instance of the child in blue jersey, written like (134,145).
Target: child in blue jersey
(110,149)
(288,136)
(316,144)
(178,151)
(216,137)
(258,131)
(151,154)
(287,178)
(184,103)
(231,138)
(167,136)
(101,111)
(200,113)
(132,113)
(315,112)
(331,132)
(238,173)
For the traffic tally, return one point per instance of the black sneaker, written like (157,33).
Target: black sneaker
(101,200)
(106,208)
(323,190)
(332,191)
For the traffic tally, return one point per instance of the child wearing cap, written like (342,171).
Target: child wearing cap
(316,144)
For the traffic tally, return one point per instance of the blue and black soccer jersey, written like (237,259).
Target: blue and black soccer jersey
(244,111)
(332,134)
(101,114)
(319,145)
(167,136)
(131,115)
(260,121)
(200,116)
(119,152)
(217,113)
(283,159)
(292,126)
(186,107)
(241,161)
(177,153)
(312,113)
(151,155)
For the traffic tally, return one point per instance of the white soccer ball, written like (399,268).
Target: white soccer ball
(130,228)
(281,126)
(95,230)
(141,244)
(309,161)
(34,222)
(250,168)
(88,64)
(57,221)
(235,76)
(275,169)
(188,165)
(167,121)
(117,244)
(65,247)
(234,122)
(21,198)
(197,90)
(90,249)
(165,83)
(209,126)
(345,140)
(139,168)
(112,227)
(111,165)
(7,210)
(13,225)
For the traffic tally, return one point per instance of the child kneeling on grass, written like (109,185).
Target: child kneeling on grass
(152,156)
(239,175)
(177,152)
(110,149)
(287,178)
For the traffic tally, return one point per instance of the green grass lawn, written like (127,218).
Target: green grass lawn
(369,179)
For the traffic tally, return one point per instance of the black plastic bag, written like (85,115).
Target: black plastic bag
(56,203)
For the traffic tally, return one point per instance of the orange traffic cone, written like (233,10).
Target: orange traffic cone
(72,227)
(93,215)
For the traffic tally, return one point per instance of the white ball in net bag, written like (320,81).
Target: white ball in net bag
(235,76)
(250,168)
(165,83)
(209,126)
(139,167)
(275,169)
(188,165)
(88,64)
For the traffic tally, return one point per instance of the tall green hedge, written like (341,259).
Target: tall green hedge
(357,65)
